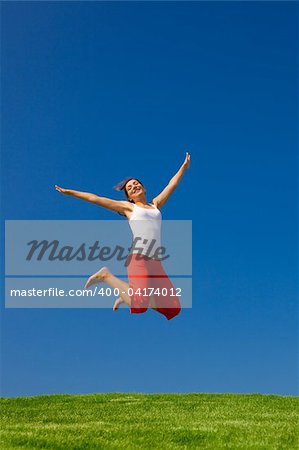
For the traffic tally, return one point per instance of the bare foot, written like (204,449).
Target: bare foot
(117,303)
(97,277)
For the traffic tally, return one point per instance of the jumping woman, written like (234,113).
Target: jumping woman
(144,271)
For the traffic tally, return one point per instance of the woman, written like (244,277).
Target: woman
(145,270)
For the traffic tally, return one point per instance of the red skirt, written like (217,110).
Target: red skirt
(147,278)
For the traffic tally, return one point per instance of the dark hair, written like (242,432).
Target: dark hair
(121,186)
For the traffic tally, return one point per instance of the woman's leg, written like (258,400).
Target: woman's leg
(139,280)
(104,275)
(119,301)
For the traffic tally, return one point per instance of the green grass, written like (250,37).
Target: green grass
(150,421)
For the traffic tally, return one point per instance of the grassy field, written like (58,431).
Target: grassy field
(150,421)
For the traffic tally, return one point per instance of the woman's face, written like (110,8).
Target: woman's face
(134,189)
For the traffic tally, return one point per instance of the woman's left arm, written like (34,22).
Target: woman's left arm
(162,198)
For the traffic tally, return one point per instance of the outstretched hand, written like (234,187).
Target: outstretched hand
(60,189)
(186,163)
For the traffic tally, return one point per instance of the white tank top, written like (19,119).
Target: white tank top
(145,224)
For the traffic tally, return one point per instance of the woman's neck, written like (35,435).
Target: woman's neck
(141,201)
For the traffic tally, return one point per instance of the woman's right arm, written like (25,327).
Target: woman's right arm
(114,205)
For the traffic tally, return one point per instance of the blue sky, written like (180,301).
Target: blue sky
(97,91)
